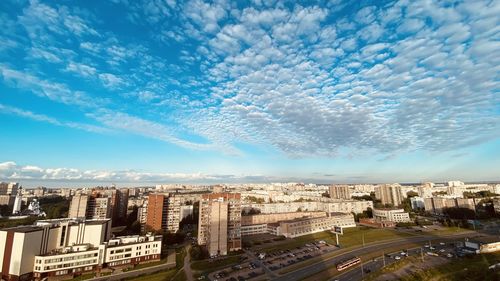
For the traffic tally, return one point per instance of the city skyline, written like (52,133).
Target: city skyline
(195,92)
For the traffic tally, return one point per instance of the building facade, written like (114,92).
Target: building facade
(219,225)
(393,215)
(389,194)
(55,248)
(339,192)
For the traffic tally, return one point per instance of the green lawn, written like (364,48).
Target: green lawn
(468,268)
(160,276)
(212,265)
(352,237)
(181,276)
(446,230)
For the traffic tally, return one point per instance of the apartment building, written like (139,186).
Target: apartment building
(219,225)
(100,204)
(339,192)
(392,215)
(272,218)
(340,206)
(9,188)
(7,200)
(435,205)
(389,194)
(165,211)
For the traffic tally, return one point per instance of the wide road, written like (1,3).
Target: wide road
(357,273)
(313,269)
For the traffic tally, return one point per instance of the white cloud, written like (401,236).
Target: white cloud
(11,171)
(111,81)
(4,109)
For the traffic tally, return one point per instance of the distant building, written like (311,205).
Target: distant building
(392,215)
(219,225)
(273,218)
(78,206)
(10,188)
(165,211)
(340,206)
(339,192)
(304,226)
(7,200)
(389,194)
(425,190)
(16,210)
(100,204)
(417,203)
(157,212)
(436,205)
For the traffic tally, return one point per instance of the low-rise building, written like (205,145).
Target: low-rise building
(394,215)
(272,218)
(305,226)
(54,248)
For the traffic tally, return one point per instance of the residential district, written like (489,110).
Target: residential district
(275,231)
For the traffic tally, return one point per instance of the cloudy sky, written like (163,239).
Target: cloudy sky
(166,91)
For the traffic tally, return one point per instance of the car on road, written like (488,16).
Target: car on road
(442,244)
(397,257)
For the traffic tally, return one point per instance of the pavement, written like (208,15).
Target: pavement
(307,271)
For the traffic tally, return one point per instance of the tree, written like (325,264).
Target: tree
(411,194)
(364,197)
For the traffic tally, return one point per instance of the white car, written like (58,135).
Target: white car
(397,257)
(442,244)
(442,250)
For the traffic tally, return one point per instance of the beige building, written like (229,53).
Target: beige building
(219,225)
(305,226)
(9,188)
(389,194)
(272,218)
(55,248)
(20,245)
(340,206)
(78,206)
(436,205)
(339,192)
(393,215)
(7,200)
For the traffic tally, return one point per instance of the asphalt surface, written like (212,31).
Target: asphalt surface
(313,269)
(358,272)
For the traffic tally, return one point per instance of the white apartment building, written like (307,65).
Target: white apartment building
(417,203)
(53,248)
(342,206)
(393,215)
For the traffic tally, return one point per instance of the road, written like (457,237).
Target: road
(313,269)
(358,272)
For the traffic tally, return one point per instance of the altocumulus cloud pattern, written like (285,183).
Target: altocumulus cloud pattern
(332,79)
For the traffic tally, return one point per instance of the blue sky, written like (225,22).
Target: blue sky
(191,91)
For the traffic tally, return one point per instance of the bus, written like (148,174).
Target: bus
(348,263)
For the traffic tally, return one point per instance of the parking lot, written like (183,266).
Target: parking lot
(254,267)
(244,271)
(283,258)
